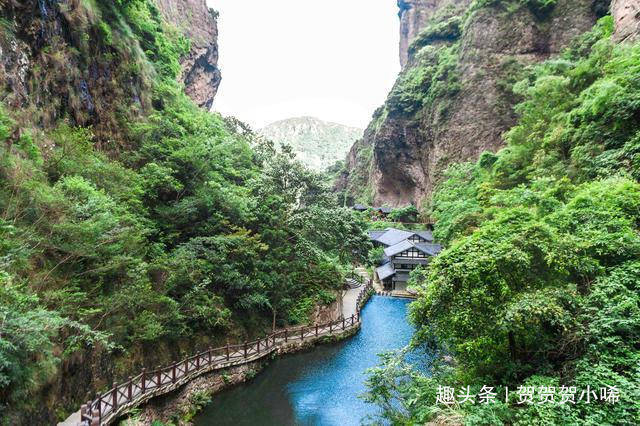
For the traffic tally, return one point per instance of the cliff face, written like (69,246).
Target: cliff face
(200,72)
(626,14)
(453,99)
(72,59)
(414,15)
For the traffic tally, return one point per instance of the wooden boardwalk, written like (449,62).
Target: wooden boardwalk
(110,405)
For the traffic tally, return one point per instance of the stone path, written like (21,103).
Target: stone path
(350,297)
(72,420)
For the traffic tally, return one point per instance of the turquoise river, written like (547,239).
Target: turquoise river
(320,386)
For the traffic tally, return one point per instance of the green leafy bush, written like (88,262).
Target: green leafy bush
(446,30)
(404,214)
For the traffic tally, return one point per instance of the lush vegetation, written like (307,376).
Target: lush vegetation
(539,285)
(177,224)
(434,77)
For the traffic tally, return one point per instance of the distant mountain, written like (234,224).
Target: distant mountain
(317,143)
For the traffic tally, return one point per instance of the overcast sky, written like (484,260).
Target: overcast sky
(332,59)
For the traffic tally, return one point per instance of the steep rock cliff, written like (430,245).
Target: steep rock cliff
(626,14)
(75,60)
(414,14)
(453,100)
(200,72)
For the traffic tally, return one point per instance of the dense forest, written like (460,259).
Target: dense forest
(136,220)
(540,283)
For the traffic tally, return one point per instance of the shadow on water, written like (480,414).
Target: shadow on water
(319,387)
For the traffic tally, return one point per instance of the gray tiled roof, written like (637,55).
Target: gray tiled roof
(385,271)
(393,236)
(430,249)
(427,235)
(398,248)
(375,234)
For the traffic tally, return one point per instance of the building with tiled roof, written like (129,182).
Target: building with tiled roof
(404,251)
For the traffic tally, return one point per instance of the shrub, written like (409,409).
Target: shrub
(446,30)
(375,256)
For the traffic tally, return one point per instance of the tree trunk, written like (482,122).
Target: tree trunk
(273,324)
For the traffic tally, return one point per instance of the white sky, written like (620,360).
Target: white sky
(331,59)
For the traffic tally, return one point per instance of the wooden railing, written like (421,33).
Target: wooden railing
(113,403)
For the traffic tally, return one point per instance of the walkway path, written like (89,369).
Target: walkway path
(349,301)
(148,384)
(73,420)
(350,297)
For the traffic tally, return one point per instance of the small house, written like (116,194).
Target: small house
(404,251)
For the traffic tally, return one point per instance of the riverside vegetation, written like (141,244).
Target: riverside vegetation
(144,222)
(540,282)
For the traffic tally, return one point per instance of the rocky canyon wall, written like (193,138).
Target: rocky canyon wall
(75,60)
(626,14)
(414,15)
(200,72)
(453,99)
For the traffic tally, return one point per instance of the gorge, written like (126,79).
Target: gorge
(138,227)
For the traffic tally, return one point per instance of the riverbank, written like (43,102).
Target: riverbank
(181,406)
(123,398)
(320,387)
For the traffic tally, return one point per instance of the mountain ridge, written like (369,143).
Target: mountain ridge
(318,143)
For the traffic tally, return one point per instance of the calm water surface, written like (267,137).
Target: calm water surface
(319,387)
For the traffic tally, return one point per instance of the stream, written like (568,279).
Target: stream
(320,386)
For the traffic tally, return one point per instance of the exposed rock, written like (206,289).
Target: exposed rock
(14,68)
(200,72)
(626,14)
(57,61)
(323,314)
(53,63)
(414,14)
(422,128)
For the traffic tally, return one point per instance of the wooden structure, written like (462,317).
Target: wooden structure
(403,251)
(110,405)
